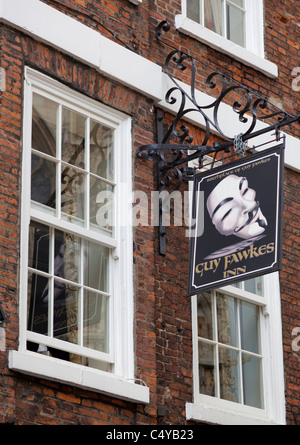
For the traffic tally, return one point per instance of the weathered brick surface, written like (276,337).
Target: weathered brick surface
(163,335)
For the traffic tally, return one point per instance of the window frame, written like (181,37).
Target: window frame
(121,342)
(214,410)
(253,53)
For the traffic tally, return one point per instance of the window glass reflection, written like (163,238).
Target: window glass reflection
(38,251)
(101,151)
(73,194)
(252,381)
(44,118)
(249,320)
(96,260)
(207,369)
(43,181)
(38,303)
(230,383)
(96,312)
(227,320)
(205,316)
(73,138)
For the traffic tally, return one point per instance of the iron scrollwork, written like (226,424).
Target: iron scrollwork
(175,148)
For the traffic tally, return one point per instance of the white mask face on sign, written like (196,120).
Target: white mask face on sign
(234,210)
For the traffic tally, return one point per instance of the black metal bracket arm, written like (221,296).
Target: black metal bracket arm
(243,108)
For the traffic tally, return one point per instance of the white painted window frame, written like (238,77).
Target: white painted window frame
(120,382)
(252,54)
(213,410)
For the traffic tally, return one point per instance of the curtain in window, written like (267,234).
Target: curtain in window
(213,15)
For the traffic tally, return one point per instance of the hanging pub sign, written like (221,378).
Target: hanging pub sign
(237,209)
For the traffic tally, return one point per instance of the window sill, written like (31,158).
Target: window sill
(69,373)
(220,416)
(204,35)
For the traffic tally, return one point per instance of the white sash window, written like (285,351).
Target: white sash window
(238,357)
(76,302)
(233,27)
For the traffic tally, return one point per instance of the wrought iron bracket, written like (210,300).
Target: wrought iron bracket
(175,149)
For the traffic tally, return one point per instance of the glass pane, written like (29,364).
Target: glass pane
(213,14)
(250,331)
(95,331)
(72,194)
(38,289)
(193,10)
(252,381)
(207,369)
(205,316)
(65,324)
(238,3)
(227,320)
(255,286)
(249,321)
(43,181)
(101,206)
(235,25)
(101,151)
(230,386)
(66,256)
(44,125)
(96,260)
(73,138)
(38,251)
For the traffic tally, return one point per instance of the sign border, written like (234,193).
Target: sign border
(277,150)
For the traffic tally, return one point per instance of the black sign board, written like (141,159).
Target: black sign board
(237,209)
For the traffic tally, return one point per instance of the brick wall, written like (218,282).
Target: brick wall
(290,281)
(163,337)
(28,400)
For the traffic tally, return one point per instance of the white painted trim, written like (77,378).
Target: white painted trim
(214,415)
(39,365)
(72,37)
(68,35)
(210,38)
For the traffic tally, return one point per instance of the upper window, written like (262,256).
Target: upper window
(233,27)
(226,18)
(72,256)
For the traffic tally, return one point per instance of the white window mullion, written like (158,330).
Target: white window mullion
(87,179)
(81,294)
(240,353)
(216,335)
(58,167)
(224,27)
(202,13)
(51,284)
